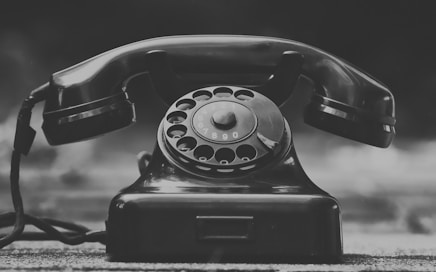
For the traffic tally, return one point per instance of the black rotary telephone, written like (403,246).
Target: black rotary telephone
(224,182)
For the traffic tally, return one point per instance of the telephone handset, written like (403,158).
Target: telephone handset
(346,101)
(224,177)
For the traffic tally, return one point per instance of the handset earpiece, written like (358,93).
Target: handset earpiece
(350,103)
(66,124)
(76,112)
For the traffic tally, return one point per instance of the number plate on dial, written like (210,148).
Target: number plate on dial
(226,129)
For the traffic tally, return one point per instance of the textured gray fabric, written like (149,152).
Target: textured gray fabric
(385,252)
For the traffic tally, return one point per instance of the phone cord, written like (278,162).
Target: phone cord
(75,234)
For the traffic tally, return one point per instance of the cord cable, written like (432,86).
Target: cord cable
(75,233)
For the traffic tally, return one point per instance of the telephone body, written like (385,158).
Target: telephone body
(224,182)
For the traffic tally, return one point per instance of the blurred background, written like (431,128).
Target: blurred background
(380,190)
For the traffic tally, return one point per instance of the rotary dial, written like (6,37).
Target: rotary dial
(222,130)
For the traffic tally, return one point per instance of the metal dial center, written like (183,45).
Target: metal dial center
(224,119)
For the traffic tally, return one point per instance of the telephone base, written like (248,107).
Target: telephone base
(256,228)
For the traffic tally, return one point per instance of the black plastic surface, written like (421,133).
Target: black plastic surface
(241,228)
(273,213)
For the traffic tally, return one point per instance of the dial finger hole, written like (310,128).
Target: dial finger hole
(176,131)
(223,92)
(185,104)
(202,95)
(225,156)
(186,144)
(244,95)
(203,153)
(246,152)
(176,117)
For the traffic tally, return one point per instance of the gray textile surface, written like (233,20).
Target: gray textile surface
(363,252)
